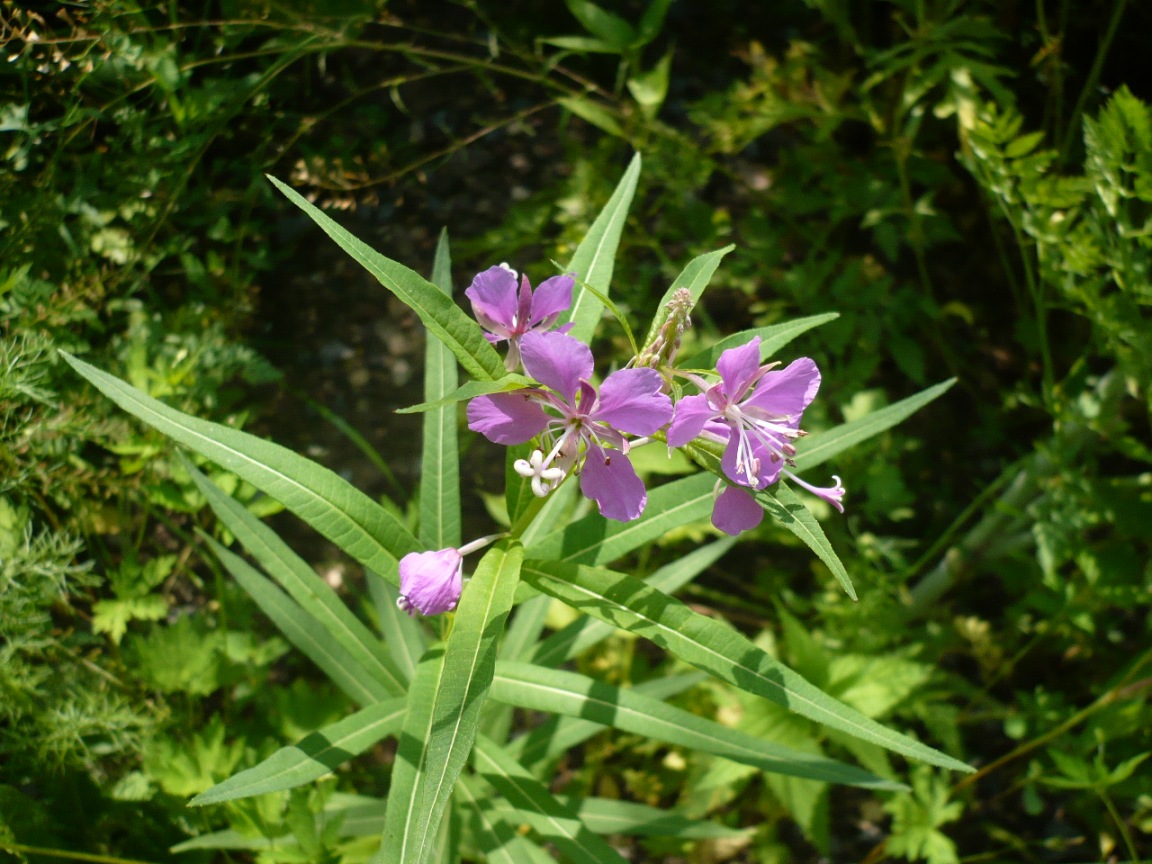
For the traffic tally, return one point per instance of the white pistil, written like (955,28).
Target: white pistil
(544,478)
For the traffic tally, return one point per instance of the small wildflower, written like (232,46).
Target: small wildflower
(506,315)
(755,411)
(576,421)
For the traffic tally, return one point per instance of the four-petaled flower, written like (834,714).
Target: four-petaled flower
(575,421)
(755,412)
(507,315)
(431,582)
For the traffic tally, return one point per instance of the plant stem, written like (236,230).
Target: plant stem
(1093,78)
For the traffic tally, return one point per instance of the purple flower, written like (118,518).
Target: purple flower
(576,421)
(755,411)
(507,316)
(431,582)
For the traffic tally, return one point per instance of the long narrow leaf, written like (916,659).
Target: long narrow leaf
(539,689)
(772,339)
(595,257)
(613,816)
(695,278)
(822,446)
(406,639)
(596,540)
(461,688)
(500,841)
(312,756)
(631,605)
(440,457)
(313,594)
(440,316)
(549,817)
(303,631)
(320,497)
(788,510)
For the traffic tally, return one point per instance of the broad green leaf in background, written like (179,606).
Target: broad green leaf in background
(458,693)
(320,497)
(303,631)
(313,594)
(558,692)
(313,756)
(695,277)
(595,257)
(772,339)
(629,604)
(442,317)
(440,459)
(822,446)
(549,817)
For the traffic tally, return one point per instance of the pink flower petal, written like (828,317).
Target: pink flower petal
(556,361)
(789,390)
(736,510)
(631,400)
(507,418)
(494,302)
(431,582)
(609,479)
(692,415)
(737,367)
(552,297)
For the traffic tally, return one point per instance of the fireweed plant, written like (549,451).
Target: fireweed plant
(471,780)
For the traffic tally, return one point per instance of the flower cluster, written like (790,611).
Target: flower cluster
(753,411)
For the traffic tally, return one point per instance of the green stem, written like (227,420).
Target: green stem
(1120,826)
(1093,78)
(15,848)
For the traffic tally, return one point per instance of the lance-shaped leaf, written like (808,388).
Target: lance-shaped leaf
(320,497)
(447,710)
(596,540)
(499,840)
(470,390)
(695,278)
(551,819)
(613,816)
(312,756)
(442,318)
(595,257)
(406,638)
(822,446)
(440,456)
(631,605)
(556,691)
(772,339)
(314,595)
(303,631)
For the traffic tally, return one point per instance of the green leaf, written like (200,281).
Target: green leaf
(500,841)
(303,631)
(469,390)
(555,691)
(313,756)
(695,277)
(596,540)
(594,258)
(320,497)
(788,510)
(592,112)
(459,689)
(112,616)
(548,816)
(603,24)
(631,605)
(313,594)
(651,21)
(613,816)
(440,456)
(583,633)
(772,339)
(822,446)
(406,639)
(442,318)
(650,88)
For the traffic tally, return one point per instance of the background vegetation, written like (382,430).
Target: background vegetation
(969,184)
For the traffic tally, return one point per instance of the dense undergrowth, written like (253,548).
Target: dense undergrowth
(969,185)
